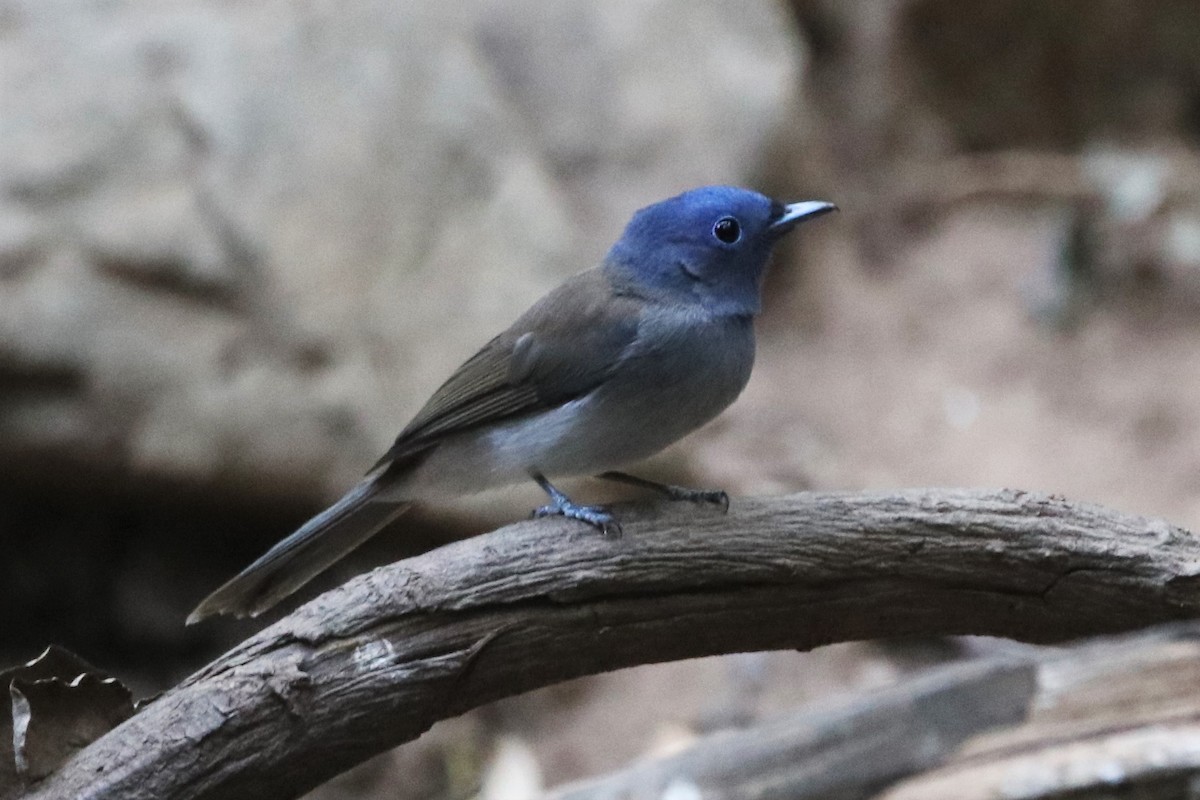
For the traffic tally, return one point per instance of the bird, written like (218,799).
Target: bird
(615,364)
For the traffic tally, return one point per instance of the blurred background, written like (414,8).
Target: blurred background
(240,244)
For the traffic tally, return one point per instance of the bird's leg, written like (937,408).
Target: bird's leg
(714,496)
(561,506)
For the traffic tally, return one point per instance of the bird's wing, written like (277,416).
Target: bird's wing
(560,349)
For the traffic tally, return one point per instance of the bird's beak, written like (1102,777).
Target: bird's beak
(795,213)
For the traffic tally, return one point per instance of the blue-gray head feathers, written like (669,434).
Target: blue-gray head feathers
(708,245)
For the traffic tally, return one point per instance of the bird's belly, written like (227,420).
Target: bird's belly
(651,402)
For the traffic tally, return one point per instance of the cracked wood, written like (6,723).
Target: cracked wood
(377,661)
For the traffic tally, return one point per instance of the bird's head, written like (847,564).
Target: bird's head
(708,246)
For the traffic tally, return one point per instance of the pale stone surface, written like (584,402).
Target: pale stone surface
(241,243)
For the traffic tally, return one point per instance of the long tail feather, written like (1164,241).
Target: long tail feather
(300,557)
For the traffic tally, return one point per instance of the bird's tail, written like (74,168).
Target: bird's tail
(300,557)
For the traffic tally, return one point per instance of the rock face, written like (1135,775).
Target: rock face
(240,243)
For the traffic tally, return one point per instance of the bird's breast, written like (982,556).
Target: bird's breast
(682,370)
(680,373)
(685,367)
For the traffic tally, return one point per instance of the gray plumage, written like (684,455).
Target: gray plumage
(612,366)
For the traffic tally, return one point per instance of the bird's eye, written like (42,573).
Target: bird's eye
(727,230)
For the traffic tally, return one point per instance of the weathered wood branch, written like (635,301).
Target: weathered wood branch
(1109,719)
(848,751)
(377,661)
(1114,717)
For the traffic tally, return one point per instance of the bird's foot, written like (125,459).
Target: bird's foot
(596,516)
(715,497)
(561,506)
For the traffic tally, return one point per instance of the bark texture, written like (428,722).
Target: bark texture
(377,661)
(849,751)
(1110,718)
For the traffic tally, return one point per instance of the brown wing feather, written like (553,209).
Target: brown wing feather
(560,349)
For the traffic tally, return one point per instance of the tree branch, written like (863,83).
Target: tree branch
(1102,719)
(377,661)
(1114,718)
(848,751)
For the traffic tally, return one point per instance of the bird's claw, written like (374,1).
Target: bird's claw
(596,516)
(714,497)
